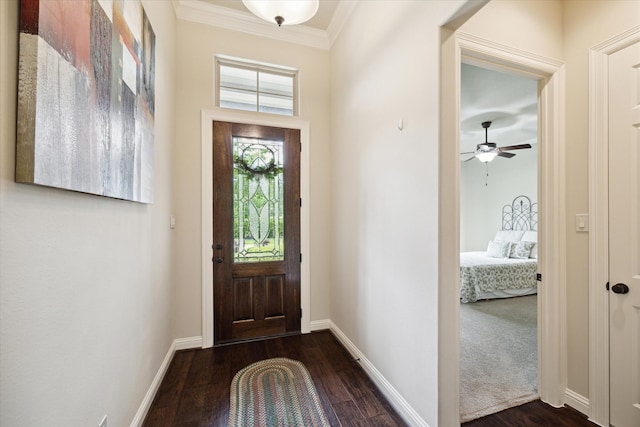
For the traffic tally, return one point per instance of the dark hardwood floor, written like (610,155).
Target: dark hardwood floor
(533,414)
(195,389)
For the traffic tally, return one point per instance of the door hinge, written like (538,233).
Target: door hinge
(300,257)
(301,147)
(607,286)
(301,202)
(539,277)
(301,313)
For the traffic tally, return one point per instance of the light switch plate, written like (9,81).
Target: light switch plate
(582,222)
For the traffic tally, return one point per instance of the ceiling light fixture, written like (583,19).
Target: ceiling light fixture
(283,12)
(487,151)
(487,156)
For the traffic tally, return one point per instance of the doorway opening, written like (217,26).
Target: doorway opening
(498,240)
(458,47)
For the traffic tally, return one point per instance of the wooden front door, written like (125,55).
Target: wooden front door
(256,231)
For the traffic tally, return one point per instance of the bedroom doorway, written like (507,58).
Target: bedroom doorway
(498,240)
(457,48)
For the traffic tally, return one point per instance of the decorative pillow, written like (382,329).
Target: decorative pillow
(498,248)
(534,251)
(531,236)
(521,250)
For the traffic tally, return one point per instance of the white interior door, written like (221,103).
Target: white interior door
(624,236)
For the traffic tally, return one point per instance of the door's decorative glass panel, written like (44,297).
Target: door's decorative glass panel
(258,200)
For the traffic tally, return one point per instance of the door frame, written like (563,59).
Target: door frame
(456,48)
(599,408)
(207,118)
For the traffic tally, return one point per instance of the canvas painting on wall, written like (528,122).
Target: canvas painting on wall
(86,97)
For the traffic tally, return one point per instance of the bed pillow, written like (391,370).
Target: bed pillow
(498,248)
(531,236)
(521,250)
(509,235)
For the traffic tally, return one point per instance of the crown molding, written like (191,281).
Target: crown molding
(245,22)
(340,17)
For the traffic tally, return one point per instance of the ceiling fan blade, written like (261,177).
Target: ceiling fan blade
(515,147)
(507,155)
(470,158)
(467,152)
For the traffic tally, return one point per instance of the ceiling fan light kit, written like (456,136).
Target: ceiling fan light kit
(283,12)
(487,151)
(486,157)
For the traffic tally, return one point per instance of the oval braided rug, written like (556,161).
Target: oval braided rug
(275,392)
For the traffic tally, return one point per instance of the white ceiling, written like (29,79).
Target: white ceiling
(509,102)
(320,21)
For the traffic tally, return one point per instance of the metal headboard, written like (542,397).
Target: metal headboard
(521,214)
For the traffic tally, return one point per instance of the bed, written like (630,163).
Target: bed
(509,266)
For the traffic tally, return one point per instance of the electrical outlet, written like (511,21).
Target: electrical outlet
(103,423)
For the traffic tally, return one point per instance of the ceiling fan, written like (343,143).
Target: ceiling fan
(487,151)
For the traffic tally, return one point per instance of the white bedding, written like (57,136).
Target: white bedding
(483,277)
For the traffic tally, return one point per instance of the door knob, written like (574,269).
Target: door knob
(620,288)
(219,260)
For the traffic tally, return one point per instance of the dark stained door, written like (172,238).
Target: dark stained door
(256,231)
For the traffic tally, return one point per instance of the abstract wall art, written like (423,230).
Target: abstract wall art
(86,97)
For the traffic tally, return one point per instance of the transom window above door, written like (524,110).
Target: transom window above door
(252,86)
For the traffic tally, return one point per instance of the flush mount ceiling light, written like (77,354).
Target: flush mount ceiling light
(283,12)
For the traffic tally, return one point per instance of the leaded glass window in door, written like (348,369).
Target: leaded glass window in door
(258,200)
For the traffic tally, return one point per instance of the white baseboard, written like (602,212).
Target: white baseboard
(319,325)
(153,388)
(576,401)
(397,401)
(178,344)
(187,343)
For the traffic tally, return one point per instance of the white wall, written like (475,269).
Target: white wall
(196,46)
(384,294)
(586,24)
(482,197)
(85,289)
(529,25)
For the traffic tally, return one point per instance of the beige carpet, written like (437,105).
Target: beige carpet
(498,359)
